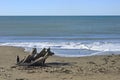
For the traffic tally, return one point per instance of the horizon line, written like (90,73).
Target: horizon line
(59,15)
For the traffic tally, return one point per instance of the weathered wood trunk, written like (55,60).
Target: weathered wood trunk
(34,59)
(30,57)
(41,54)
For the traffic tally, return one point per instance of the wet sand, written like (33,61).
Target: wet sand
(59,68)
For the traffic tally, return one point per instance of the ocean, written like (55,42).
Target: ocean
(68,36)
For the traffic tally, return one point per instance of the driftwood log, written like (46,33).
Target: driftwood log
(34,58)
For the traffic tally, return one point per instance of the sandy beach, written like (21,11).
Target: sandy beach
(59,68)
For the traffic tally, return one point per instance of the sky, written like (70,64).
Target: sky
(59,7)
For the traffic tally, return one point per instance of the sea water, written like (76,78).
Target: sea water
(69,36)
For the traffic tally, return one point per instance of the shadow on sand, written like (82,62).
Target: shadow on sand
(57,64)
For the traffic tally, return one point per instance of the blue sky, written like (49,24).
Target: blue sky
(59,7)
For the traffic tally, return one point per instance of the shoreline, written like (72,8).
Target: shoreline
(64,51)
(100,67)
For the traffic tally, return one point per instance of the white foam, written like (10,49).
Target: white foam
(97,46)
(85,49)
(66,55)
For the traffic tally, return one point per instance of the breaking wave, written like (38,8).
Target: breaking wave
(63,48)
(97,46)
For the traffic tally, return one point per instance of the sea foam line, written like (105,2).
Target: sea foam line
(97,46)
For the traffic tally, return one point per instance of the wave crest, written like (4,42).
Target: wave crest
(97,46)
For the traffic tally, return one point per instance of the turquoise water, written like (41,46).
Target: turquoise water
(81,35)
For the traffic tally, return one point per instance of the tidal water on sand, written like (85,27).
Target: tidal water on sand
(69,36)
